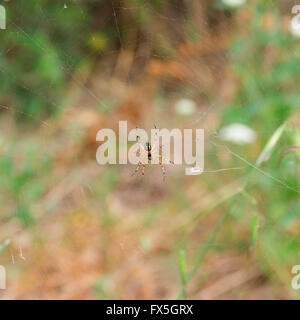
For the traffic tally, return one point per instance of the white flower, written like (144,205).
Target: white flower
(185,107)
(234,3)
(238,133)
(295,28)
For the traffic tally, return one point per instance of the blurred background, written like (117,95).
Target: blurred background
(72,229)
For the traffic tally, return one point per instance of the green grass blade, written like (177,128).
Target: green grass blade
(4,245)
(209,243)
(205,249)
(183,273)
(182,267)
(269,147)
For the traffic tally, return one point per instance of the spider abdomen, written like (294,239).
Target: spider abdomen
(148,149)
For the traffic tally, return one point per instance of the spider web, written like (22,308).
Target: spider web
(193,28)
(189,60)
(170,64)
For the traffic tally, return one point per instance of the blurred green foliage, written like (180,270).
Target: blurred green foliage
(23,184)
(267,64)
(40,49)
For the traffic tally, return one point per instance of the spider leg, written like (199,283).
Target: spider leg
(160,157)
(163,170)
(141,146)
(156,142)
(159,152)
(143,169)
(137,169)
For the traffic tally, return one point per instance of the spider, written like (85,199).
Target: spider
(148,152)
